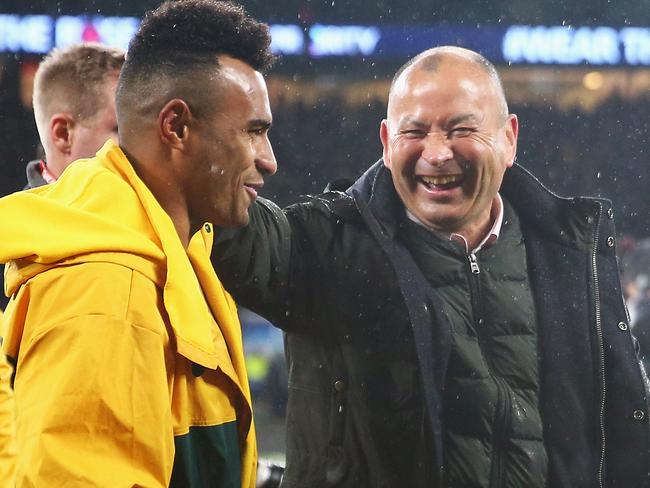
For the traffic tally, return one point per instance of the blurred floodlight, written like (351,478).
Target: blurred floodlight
(593,80)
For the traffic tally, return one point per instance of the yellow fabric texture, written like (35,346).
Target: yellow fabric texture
(108,313)
(7,424)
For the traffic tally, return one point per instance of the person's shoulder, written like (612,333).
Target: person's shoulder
(333,203)
(93,173)
(93,287)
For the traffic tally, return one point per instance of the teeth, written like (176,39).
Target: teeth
(441,180)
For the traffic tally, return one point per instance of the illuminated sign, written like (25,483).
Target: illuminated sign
(29,33)
(636,45)
(112,31)
(577,45)
(519,44)
(343,40)
(38,34)
(287,39)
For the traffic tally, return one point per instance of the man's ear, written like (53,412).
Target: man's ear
(62,132)
(512,131)
(385,142)
(174,123)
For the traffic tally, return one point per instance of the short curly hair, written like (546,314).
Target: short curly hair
(186,37)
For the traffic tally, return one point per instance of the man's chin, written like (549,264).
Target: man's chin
(234,222)
(241,221)
(438,221)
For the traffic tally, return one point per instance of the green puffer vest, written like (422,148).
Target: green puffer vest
(492,424)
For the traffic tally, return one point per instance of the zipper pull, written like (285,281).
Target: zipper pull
(473,264)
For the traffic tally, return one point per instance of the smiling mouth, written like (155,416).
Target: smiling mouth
(444,182)
(253,189)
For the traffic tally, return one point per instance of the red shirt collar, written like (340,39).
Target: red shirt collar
(45,173)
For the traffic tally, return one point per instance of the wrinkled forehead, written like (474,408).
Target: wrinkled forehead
(448,81)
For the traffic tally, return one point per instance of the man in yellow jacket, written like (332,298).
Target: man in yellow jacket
(7,423)
(130,369)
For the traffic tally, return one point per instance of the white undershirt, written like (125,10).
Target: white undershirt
(496,215)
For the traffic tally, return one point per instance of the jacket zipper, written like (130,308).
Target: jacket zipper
(473,263)
(601,349)
(503,396)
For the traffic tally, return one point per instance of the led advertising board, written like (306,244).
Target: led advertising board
(516,45)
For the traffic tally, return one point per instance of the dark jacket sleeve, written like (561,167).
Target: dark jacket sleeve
(3,299)
(254,262)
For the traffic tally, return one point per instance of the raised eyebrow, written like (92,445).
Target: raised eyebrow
(412,122)
(458,119)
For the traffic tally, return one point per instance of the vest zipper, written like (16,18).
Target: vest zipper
(601,349)
(473,263)
(503,396)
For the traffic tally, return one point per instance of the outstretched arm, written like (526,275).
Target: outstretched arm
(254,263)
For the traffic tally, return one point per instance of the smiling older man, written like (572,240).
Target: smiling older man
(450,322)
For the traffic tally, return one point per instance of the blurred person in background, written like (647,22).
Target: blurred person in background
(128,350)
(74,107)
(450,321)
(636,283)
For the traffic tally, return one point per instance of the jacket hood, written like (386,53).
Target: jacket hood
(375,190)
(100,210)
(75,218)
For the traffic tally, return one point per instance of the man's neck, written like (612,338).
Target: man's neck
(474,237)
(165,189)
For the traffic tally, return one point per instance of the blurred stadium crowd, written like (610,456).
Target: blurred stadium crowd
(603,152)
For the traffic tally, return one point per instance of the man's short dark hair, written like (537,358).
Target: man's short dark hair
(184,38)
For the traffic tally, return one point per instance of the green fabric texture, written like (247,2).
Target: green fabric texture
(207,456)
(493,429)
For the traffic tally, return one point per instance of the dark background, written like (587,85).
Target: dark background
(321,132)
(585,12)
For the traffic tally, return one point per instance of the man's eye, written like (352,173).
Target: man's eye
(413,133)
(258,131)
(461,131)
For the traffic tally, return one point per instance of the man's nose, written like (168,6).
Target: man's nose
(437,149)
(265,159)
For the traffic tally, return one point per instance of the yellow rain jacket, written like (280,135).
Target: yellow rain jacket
(7,424)
(130,369)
